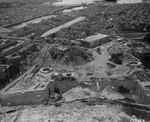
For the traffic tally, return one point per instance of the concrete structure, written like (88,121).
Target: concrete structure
(141,89)
(29,89)
(35,88)
(144,91)
(28,97)
(94,40)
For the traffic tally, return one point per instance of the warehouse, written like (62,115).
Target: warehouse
(94,40)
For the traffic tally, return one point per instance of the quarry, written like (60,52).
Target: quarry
(74,61)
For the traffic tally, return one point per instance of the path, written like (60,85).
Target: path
(102,59)
(56,29)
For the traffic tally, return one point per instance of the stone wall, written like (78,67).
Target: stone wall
(29,97)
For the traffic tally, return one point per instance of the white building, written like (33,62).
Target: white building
(94,40)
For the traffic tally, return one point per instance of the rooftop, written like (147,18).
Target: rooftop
(95,37)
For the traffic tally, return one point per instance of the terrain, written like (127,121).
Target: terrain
(105,85)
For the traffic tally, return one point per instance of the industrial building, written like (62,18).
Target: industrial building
(94,40)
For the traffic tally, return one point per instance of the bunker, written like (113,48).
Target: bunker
(28,89)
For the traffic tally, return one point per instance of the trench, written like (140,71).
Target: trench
(143,115)
(141,112)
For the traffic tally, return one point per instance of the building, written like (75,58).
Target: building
(144,91)
(94,40)
(28,89)
(36,87)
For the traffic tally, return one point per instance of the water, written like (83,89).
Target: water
(37,20)
(129,1)
(74,9)
(77,2)
(73,2)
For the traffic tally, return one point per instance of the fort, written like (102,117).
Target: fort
(74,61)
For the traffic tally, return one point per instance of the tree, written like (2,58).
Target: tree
(147,38)
(145,60)
(53,35)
